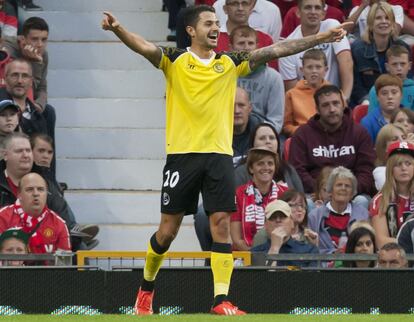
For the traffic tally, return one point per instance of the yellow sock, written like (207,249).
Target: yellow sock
(152,264)
(222,267)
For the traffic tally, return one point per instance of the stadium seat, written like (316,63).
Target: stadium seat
(359,112)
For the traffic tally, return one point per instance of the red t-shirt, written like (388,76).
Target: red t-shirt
(52,230)
(336,224)
(403,205)
(263,40)
(286,5)
(207,2)
(291,20)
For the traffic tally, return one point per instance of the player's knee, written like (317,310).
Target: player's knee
(165,238)
(221,226)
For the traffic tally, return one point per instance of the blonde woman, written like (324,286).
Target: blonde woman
(395,202)
(388,134)
(368,52)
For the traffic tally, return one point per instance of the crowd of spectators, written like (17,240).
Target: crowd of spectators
(323,150)
(34,215)
(325,164)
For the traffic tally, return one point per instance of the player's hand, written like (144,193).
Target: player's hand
(28,51)
(336,34)
(109,21)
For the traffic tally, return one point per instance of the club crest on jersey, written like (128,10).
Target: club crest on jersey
(165,199)
(48,232)
(218,68)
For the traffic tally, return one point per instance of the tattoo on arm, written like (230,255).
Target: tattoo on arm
(155,57)
(283,48)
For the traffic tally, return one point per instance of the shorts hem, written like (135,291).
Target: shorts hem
(229,210)
(177,212)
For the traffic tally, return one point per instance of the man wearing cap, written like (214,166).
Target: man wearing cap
(279,226)
(332,138)
(48,232)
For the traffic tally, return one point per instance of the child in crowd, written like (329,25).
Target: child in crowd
(299,103)
(398,64)
(13,241)
(389,93)
(321,195)
(405,118)
(361,240)
(9,120)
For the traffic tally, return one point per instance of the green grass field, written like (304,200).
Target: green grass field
(207,317)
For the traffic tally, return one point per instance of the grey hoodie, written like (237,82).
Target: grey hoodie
(267,95)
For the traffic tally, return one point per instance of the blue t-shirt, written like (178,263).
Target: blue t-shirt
(374,122)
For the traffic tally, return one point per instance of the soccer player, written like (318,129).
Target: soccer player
(201,86)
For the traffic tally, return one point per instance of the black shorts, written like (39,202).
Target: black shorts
(186,175)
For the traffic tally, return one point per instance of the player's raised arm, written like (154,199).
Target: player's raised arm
(294,46)
(135,42)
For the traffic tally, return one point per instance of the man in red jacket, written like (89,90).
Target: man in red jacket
(331,138)
(47,231)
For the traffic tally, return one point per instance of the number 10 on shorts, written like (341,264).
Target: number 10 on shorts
(171,179)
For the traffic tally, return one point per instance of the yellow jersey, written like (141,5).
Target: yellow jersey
(200,100)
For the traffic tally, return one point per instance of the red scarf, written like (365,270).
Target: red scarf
(254,204)
(30,224)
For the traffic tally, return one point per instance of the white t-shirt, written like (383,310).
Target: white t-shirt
(379,177)
(289,67)
(362,20)
(264,17)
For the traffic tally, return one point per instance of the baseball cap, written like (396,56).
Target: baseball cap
(263,148)
(15,232)
(8,103)
(400,147)
(277,205)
